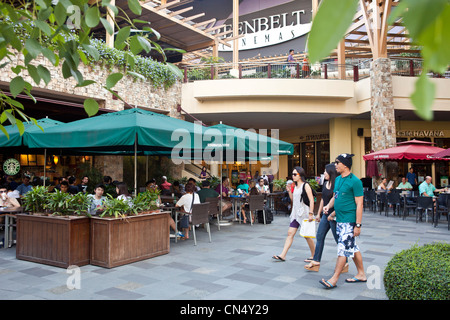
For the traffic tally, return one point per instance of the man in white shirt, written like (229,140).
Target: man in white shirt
(186,202)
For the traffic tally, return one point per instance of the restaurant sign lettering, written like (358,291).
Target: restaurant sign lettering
(313,137)
(420,133)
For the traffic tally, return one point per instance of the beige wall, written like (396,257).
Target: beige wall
(341,101)
(334,97)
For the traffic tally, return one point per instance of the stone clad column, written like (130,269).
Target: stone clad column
(383,131)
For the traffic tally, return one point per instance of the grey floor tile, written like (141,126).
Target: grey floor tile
(236,265)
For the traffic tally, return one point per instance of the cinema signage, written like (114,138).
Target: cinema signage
(420,133)
(268,31)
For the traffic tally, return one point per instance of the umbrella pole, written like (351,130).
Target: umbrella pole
(45,161)
(135,166)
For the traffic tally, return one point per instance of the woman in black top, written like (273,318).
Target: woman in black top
(327,221)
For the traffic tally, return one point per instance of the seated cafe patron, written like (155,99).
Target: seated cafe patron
(404,185)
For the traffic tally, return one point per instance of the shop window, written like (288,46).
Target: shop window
(309,158)
(367,145)
(294,159)
(323,156)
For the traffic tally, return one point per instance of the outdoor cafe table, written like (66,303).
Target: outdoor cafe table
(10,215)
(236,201)
(174,211)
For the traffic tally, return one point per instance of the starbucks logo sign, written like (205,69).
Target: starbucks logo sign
(11,167)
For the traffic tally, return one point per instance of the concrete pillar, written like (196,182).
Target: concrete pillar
(340,137)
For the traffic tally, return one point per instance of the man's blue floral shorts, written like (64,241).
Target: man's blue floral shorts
(346,242)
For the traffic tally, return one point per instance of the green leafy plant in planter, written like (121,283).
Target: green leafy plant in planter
(116,208)
(145,201)
(314,184)
(214,182)
(419,273)
(59,203)
(279,184)
(79,204)
(35,200)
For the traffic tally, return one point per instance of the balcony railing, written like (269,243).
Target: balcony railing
(330,70)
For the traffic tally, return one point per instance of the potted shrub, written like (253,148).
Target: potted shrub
(129,231)
(419,273)
(56,232)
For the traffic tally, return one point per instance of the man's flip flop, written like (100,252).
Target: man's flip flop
(278,258)
(354,280)
(327,285)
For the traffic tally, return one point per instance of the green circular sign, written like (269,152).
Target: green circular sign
(11,167)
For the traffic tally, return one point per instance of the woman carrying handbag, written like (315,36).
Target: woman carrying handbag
(302,200)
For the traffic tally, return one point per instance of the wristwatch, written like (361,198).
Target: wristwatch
(358,225)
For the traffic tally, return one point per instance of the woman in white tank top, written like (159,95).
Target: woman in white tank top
(300,211)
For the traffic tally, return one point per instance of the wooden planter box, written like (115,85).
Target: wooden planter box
(119,241)
(52,240)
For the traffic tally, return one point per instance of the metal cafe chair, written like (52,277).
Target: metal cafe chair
(410,202)
(366,199)
(424,204)
(394,199)
(200,215)
(214,208)
(444,207)
(372,200)
(382,201)
(255,203)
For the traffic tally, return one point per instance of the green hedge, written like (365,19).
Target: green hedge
(419,273)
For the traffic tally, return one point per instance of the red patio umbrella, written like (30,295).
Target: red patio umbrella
(372,169)
(407,151)
(442,154)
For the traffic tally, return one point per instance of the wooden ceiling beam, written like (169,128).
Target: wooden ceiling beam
(167,5)
(176,13)
(203,23)
(192,17)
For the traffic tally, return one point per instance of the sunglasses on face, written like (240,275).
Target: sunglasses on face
(2,191)
(294,174)
(337,162)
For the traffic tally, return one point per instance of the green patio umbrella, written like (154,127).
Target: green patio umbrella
(16,140)
(249,144)
(122,131)
(132,131)
(226,143)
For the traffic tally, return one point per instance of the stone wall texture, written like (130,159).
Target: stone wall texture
(383,129)
(382,105)
(135,92)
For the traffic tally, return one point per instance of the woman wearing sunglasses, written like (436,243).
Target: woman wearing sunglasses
(301,209)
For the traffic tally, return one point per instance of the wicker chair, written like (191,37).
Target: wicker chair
(200,215)
(256,202)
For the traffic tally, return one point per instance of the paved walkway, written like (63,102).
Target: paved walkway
(236,265)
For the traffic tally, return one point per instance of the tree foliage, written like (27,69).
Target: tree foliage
(61,31)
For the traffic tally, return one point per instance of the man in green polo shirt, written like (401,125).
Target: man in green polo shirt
(404,185)
(348,208)
(206,192)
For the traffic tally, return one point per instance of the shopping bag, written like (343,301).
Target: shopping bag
(308,229)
